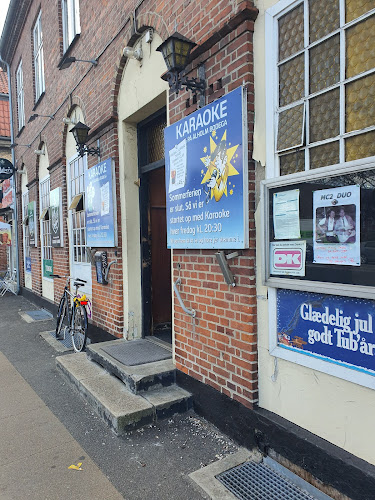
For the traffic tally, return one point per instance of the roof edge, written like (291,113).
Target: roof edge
(13,26)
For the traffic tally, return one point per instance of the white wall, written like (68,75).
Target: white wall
(337,410)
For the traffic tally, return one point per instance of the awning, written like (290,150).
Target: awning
(75,204)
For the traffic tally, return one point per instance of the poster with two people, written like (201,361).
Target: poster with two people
(336,223)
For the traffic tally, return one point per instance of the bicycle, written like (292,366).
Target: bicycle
(72,314)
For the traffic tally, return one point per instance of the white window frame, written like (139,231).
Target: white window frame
(274,180)
(272,16)
(70,22)
(76,185)
(38,57)
(25,228)
(45,226)
(20,97)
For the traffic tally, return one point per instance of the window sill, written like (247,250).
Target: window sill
(38,101)
(68,50)
(20,131)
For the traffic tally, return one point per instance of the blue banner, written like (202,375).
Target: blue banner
(337,329)
(100,215)
(206,176)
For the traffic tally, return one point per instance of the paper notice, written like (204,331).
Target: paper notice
(178,166)
(286,222)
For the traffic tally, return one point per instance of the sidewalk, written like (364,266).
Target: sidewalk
(45,427)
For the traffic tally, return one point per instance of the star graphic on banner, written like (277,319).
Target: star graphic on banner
(219,168)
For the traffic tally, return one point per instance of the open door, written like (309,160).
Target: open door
(156,257)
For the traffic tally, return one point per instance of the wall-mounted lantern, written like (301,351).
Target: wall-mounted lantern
(80,133)
(176,51)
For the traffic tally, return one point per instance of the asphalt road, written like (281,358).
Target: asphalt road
(149,464)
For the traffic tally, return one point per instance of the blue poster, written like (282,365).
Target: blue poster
(28,264)
(100,212)
(206,176)
(336,329)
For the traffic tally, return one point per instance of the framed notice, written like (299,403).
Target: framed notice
(207,176)
(31,213)
(56,218)
(100,206)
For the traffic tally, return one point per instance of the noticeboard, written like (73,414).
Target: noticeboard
(100,207)
(207,176)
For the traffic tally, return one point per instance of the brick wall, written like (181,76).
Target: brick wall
(219,346)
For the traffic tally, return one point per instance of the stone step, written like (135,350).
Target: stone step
(115,404)
(138,378)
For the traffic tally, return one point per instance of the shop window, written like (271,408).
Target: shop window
(325,82)
(20,97)
(70,21)
(45,224)
(319,196)
(38,57)
(77,209)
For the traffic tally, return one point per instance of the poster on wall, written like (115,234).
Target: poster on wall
(100,206)
(31,213)
(287,258)
(28,264)
(207,176)
(286,223)
(47,268)
(5,234)
(336,224)
(335,329)
(7,193)
(56,218)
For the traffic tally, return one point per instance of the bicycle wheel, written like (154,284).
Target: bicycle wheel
(78,328)
(62,323)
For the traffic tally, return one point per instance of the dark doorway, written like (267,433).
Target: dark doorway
(156,258)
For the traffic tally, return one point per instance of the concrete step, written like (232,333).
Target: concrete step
(120,409)
(138,378)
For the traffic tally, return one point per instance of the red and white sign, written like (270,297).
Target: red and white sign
(288,258)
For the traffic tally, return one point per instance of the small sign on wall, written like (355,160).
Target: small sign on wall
(56,218)
(47,268)
(31,213)
(288,258)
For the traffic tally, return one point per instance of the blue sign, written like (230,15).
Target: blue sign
(100,213)
(206,176)
(337,329)
(28,264)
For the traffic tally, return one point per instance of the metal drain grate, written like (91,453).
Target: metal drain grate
(66,342)
(252,481)
(39,315)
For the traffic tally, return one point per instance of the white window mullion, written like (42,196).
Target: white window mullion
(342,79)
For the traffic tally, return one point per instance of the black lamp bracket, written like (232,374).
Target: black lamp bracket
(83,149)
(177,80)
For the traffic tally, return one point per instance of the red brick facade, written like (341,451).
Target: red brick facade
(219,346)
